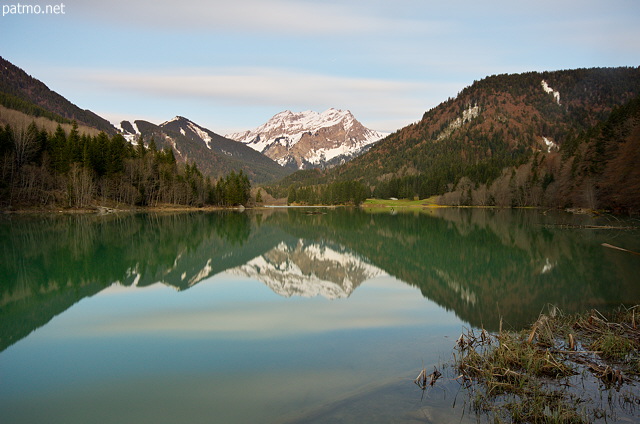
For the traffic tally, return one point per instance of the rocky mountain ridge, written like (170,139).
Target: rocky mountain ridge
(310,139)
(214,154)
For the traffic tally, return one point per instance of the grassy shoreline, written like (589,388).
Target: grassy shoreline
(113,209)
(400,203)
(370,205)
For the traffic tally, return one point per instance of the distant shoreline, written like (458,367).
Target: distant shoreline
(369,205)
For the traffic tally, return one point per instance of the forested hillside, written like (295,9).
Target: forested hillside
(69,169)
(500,131)
(595,168)
(20,91)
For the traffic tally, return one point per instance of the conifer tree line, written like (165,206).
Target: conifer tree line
(596,169)
(39,168)
(336,193)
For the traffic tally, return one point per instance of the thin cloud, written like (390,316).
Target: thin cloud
(373,100)
(247,16)
(259,85)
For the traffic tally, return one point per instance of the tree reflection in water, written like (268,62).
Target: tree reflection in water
(484,264)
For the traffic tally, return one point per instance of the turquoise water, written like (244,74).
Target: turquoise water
(277,316)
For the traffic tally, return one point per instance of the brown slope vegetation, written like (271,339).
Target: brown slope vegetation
(495,124)
(20,121)
(22,92)
(596,169)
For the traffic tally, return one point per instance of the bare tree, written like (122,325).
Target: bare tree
(480,196)
(25,144)
(24,147)
(501,189)
(588,191)
(81,186)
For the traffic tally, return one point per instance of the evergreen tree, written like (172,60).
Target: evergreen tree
(292,197)
(141,150)
(59,151)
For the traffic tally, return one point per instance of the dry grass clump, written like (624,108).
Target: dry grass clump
(528,376)
(614,338)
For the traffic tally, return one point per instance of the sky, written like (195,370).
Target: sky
(231,65)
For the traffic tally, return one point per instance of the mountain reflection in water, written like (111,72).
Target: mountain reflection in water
(486,265)
(310,269)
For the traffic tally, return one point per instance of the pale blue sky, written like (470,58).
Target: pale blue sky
(231,65)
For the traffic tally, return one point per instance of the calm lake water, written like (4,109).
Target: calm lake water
(278,316)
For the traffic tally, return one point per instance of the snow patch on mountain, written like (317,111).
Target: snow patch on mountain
(131,137)
(173,144)
(322,155)
(200,133)
(177,118)
(549,90)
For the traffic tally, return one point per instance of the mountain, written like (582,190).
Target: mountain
(20,91)
(310,139)
(518,131)
(214,154)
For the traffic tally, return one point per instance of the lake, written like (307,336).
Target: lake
(279,316)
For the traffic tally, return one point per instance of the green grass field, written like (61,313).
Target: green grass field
(400,203)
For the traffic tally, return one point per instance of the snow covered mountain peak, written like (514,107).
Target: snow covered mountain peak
(310,139)
(292,123)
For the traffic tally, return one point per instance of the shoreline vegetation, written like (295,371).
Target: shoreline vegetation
(563,369)
(370,204)
(70,170)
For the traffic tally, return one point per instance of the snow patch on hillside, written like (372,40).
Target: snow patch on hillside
(204,136)
(324,155)
(550,144)
(177,118)
(549,90)
(130,137)
(173,144)
(467,115)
